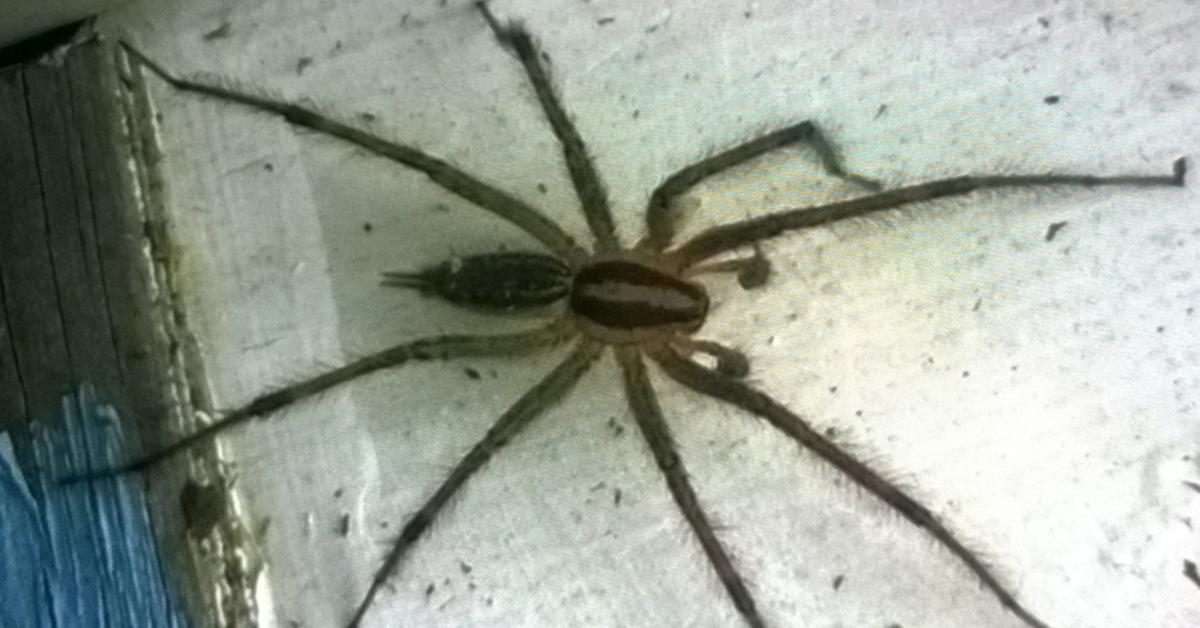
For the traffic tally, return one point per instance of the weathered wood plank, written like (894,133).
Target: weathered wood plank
(69,227)
(83,356)
(31,303)
(12,400)
(120,229)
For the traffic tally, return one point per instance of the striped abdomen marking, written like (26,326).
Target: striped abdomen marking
(505,281)
(627,300)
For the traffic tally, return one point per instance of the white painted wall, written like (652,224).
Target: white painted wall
(1053,426)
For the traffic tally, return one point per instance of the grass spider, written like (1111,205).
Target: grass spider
(672,306)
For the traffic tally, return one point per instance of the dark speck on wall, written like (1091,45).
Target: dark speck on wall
(1107,20)
(1053,230)
(1189,571)
(220,32)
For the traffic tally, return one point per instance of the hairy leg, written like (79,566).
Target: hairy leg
(434,348)
(717,240)
(454,180)
(660,219)
(533,403)
(718,386)
(588,187)
(644,404)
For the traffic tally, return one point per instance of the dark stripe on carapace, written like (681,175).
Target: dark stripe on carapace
(627,295)
(506,281)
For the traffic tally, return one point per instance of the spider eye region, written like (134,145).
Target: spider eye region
(495,281)
(622,301)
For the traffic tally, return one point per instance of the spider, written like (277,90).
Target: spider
(641,302)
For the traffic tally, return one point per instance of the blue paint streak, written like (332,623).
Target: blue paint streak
(82,554)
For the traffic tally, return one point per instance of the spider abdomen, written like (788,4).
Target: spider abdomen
(503,281)
(622,301)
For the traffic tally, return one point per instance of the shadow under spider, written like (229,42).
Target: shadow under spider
(640,301)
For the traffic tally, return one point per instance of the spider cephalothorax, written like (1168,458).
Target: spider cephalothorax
(623,299)
(640,301)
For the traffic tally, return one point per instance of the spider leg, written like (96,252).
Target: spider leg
(449,177)
(718,386)
(588,187)
(533,403)
(660,218)
(727,237)
(437,347)
(644,404)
